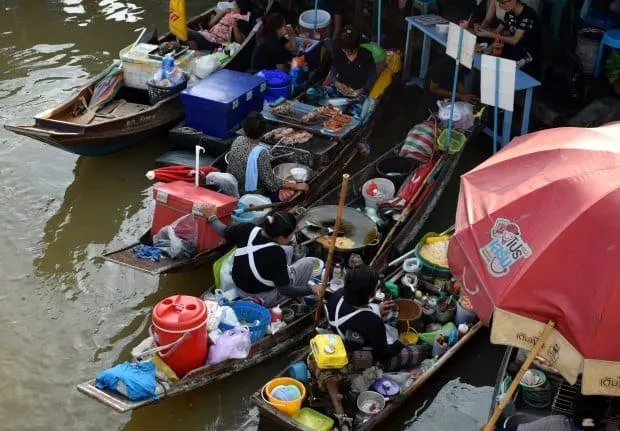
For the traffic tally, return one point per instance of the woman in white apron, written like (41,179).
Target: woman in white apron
(351,316)
(262,264)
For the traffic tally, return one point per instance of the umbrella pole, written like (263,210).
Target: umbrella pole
(495,108)
(379,24)
(490,426)
(332,247)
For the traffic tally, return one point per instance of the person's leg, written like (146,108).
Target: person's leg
(409,356)
(269,298)
(300,273)
(200,42)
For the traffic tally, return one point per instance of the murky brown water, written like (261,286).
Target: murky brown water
(64,315)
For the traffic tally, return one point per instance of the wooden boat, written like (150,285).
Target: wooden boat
(299,329)
(563,398)
(126,120)
(273,419)
(330,157)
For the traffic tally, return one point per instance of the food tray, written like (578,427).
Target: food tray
(314,128)
(297,113)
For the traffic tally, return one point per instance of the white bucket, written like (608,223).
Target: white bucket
(385,191)
(306,23)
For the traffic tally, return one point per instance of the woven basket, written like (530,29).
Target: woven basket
(157,93)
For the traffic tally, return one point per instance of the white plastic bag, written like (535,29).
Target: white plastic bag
(229,317)
(223,5)
(205,66)
(179,238)
(463,117)
(232,344)
(214,315)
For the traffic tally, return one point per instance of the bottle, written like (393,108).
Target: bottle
(167,67)
(276,314)
(338,272)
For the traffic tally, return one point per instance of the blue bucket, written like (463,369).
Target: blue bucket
(278,84)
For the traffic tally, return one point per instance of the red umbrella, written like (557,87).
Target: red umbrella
(538,240)
(173,173)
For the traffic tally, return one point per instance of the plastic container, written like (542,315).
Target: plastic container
(276,313)
(176,199)
(318,266)
(255,217)
(396,169)
(139,68)
(314,420)
(248,314)
(307,23)
(409,315)
(299,371)
(217,104)
(428,267)
(289,408)
(457,141)
(278,84)
(181,319)
(447,314)
(439,349)
(385,191)
(328,351)
(464,315)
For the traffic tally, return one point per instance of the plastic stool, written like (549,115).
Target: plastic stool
(423,5)
(611,39)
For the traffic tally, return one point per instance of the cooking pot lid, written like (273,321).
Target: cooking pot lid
(386,387)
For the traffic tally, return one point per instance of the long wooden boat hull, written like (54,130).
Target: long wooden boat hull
(273,419)
(134,124)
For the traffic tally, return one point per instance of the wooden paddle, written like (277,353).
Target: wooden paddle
(332,247)
(407,209)
(490,426)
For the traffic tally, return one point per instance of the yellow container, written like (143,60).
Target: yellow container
(289,408)
(328,351)
(313,419)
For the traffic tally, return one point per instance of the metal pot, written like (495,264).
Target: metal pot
(283,171)
(356,226)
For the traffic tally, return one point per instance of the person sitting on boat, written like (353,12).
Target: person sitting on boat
(438,85)
(353,71)
(249,162)
(276,43)
(262,265)
(229,25)
(518,34)
(361,327)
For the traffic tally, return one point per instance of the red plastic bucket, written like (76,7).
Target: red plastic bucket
(181,322)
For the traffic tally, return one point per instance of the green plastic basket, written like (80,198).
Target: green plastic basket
(313,419)
(457,141)
(433,269)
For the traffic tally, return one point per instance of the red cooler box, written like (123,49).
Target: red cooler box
(174,200)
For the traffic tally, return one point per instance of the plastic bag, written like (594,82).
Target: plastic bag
(229,317)
(136,380)
(225,281)
(232,344)
(178,240)
(205,66)
(463,117)
(214,315)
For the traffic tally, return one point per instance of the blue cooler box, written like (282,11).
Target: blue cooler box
(217,104)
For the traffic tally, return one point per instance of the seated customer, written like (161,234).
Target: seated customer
(351,316)
(229,25)
(250,163)
(518,33)
(353,69)
(438,85)
(273,51)
(262,266)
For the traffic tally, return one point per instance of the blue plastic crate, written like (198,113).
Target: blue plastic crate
(217,104)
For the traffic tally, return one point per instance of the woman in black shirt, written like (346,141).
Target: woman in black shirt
(273,50)
(353,69)
(519,33)
(362,328)
(261,266)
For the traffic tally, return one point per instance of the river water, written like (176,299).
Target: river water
(64,314)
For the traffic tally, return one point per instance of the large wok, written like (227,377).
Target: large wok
(356,226)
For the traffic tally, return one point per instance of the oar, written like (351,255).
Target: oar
(490,426)
(332,247)
(405,212)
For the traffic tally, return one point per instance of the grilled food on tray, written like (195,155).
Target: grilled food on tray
(288,136)
(333,126)
(283,109)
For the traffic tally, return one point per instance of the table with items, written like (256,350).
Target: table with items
(427,24)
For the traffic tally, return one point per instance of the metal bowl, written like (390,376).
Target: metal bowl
(284,171)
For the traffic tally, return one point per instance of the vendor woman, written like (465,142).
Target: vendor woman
(353,68)
(229,25)
(250,163)
(276,43)
(362,328)
(262,266)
